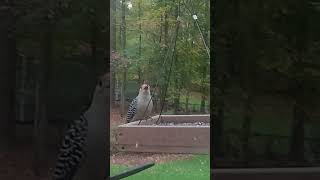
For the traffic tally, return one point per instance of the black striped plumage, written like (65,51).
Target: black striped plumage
(132,110)
(72,151)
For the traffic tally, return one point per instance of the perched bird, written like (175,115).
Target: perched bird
(83,151)
(141,106)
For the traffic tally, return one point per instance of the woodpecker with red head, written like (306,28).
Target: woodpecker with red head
(82,154)
(142,105)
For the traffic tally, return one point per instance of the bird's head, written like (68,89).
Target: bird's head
(101,92)
(145,88)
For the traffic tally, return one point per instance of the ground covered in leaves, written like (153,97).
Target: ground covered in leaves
(18,164)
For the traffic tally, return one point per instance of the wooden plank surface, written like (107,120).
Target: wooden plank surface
(174,118)
(165,149)
(148,137)
(184,118)
(164,136)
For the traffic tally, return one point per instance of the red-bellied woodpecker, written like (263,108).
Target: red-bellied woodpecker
(83,151)
(141,106)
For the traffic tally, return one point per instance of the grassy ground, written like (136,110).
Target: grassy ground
(197,167)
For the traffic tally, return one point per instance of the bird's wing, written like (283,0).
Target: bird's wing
(132,110)
(72,152)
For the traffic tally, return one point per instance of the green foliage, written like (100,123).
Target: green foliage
(156,55)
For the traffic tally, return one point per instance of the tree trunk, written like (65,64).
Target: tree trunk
(113,47)
(94,40)
(203,96)
(246,130)
(113,22)
(161,27)
(123,25)
(205,68)
(156,104)
(112,84)
(176,85)
(22,89)
(140,42)
(166,29)
(297,134)
(123,47)
(12,85)
(41,109)
(7,79)
(123,92)
(174,53)
(299,115)
(219,150)
(187,101)
(203,104)
(38,148)
(249,38)
(218,130)
(117,89)
(139,76)
(177,101)
(218,116)
(207,28)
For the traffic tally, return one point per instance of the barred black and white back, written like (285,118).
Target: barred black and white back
(73,149)
(132,110)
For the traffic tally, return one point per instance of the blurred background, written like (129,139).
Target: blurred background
(266,84)
(52,53)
